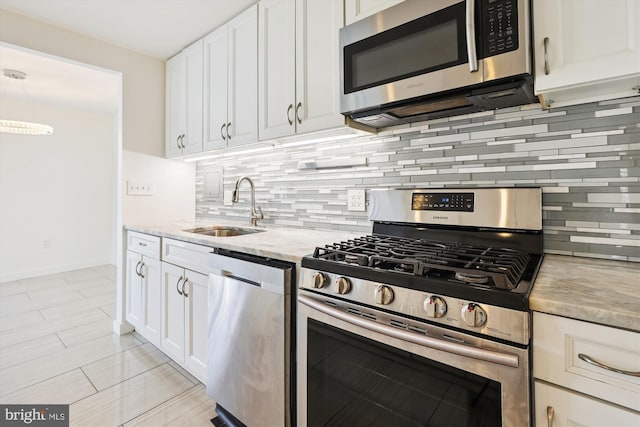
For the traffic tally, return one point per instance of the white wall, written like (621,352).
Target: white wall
(57,192)
(142,76)
(142,122)
(174,193)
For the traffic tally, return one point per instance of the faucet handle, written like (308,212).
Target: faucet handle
(260,216)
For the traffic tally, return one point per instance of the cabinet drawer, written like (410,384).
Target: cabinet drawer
(573,409)
(188,255)
(560,347)
(143,244)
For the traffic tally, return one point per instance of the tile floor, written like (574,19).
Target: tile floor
(57,346)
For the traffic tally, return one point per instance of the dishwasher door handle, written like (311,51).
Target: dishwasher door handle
(230,275)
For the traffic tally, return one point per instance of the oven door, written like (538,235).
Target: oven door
(362,367)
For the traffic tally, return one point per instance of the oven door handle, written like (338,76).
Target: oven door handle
(485,355)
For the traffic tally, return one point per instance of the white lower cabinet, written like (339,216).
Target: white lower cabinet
(184,318)
(143,285)
(558,407)
(585,374)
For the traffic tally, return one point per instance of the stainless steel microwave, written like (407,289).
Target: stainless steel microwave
(423,59)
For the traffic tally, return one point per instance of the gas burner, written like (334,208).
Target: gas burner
(472,278)
(498,267)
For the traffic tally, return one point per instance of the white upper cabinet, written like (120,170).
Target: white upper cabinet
(355,10)
(586,50)
(318,65)
(276,68)
(231,83)
(298,68)
(184,102)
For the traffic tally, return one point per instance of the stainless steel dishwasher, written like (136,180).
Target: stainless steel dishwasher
(249,339)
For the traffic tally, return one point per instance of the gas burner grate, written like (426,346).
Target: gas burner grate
(499,267)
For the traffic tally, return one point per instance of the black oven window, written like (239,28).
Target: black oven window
(426,44)
(355,382)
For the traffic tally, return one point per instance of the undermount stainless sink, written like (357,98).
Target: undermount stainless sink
(222,231)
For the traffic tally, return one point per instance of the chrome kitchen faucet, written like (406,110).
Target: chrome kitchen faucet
(255,215)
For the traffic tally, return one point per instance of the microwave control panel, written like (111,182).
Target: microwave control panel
(500,26)
(456,202)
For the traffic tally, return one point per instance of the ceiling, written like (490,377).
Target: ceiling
(57,82)
(158,28)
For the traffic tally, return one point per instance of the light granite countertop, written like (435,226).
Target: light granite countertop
(288,244)
(594,290)
(599,291)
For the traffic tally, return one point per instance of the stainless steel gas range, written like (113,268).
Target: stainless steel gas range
(425,322)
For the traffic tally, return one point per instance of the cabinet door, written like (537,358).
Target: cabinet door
(215,89)
(196,298)
(193,113)
(152,294)
(242,113)
(172,329)
(356,10)
(276,68)
(573,409)
(134,290)
(318,65)
(587,41)
(176,101)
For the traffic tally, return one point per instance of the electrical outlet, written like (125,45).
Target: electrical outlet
(356,200)
(139,188)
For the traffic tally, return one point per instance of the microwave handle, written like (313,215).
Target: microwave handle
(471,36)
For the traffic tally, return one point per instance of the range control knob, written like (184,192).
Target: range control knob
(383,295)
(343,285)
(319,280)
(435,307)
(473,315)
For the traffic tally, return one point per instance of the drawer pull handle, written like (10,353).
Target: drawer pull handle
(594,362)
(142,244)
(550,415)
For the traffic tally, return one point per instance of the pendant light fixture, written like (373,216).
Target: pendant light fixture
(21,127)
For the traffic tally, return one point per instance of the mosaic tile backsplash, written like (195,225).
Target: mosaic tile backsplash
(585,158)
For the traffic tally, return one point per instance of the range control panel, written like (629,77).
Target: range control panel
(456,202)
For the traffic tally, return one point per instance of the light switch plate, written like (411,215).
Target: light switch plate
(139,188)
(356,200)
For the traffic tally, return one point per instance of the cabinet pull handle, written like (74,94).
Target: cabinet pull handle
(228,134)
(137,271)
(298,112)
(142,244)
(178,285)
(183,285)
(178,141)
(550,415)
(546,56)
(141,267)
(222,132)
(594,362)
(289,114)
